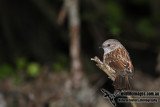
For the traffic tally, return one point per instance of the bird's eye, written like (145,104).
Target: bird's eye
(109,45)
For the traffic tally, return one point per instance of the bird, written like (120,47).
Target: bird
(117,57)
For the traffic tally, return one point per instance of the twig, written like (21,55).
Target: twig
(62,14)
(110,72)
(133,103)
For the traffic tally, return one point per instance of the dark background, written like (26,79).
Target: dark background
(31,41)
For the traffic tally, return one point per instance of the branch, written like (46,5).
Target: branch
(63,13)
(133,103)
(108,70)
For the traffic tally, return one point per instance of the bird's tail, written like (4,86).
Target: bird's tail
(122,82)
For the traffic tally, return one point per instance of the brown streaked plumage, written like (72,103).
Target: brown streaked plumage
(117,57)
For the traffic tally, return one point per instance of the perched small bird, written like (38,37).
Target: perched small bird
(117,57)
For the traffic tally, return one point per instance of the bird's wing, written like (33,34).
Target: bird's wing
(119,60)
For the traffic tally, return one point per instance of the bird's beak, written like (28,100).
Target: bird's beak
(100,47)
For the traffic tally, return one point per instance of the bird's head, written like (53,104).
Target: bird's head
(110,45)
